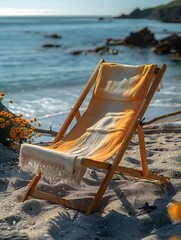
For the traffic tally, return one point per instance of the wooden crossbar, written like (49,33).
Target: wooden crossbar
(59,200)
(124,170)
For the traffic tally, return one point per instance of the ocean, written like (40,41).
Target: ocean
(45,82)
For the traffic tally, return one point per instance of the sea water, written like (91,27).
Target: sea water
(45,82)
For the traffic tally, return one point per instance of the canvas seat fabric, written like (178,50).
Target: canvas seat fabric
(117,96)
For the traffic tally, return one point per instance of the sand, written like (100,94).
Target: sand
(121,215)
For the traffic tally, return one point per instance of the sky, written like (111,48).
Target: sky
(74,7)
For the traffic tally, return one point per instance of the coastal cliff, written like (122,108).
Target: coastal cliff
(170,12)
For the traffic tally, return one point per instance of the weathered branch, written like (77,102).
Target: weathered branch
(162,130)
(162,117)
(46,132)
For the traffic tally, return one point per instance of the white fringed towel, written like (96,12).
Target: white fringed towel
(53,164)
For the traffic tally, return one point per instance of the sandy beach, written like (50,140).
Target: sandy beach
(123,213)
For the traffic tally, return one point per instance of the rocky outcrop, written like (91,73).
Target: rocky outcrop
(169,45)
(145,38)
(98,50)
(170,12)
(55,36)
(137,13)
(114,42)
(167,15)
(51,45)
(141,38)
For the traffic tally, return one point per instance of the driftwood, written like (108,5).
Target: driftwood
(46,132)
(162,117)
(163,128)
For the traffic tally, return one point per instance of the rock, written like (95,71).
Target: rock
(176,43)
(50,45)
(141,38)
(162,48)
(77,52)
(113,51)
(114,42)
(99,50)
(55,36)
(176,57)
(169,45)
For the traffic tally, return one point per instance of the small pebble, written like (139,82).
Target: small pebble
(99,233)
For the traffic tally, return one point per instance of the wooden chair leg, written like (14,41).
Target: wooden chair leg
(31,187)
(98,197)
(142,149)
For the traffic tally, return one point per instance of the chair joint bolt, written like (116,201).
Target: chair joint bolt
(141,121)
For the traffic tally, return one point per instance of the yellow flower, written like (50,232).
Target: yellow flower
(2,125)
(13,128)
(20,115)
(27,132)
(31,121)
(34,119)
(7,123)
(16,121)
(10,101)
(3,113)
(30,131)
(31,127)
(30,136)
(18,129)
(2,120)
(39,124)
(2,94)
(22,135)
(22,129)
(12,134)
(25,122)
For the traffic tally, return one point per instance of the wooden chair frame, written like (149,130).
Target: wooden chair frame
(114,166)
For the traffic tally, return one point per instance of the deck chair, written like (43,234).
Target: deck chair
(120,97)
